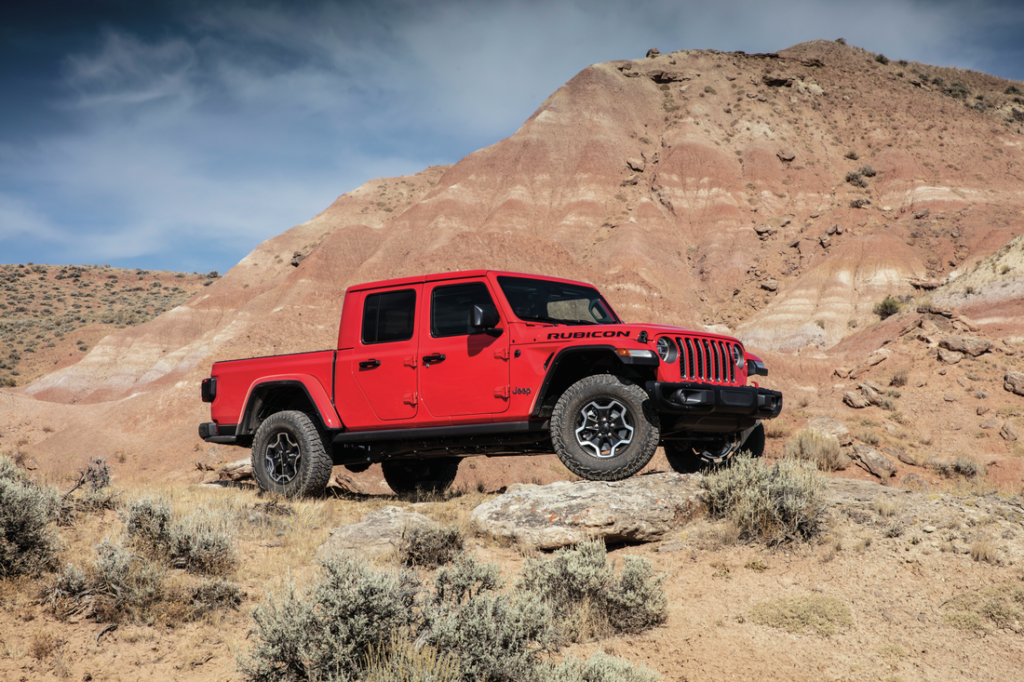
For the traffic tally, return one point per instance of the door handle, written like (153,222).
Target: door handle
(369,364)
(436,357)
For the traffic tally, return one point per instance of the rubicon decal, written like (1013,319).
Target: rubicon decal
(588,335)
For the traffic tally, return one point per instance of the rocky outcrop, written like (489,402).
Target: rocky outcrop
(638,509)
(378,533)
(968,345)
(830,427)
(873,462)
(1014,382)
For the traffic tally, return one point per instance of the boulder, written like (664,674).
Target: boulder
(239,470)
(876,358)
(1008,432)
(785,154)
(950,357)
(992,423)
(825,240)
(635,164)
(855,400)
(968,323)
(770,284)
(967,345)
(378,533)
(638,509)
(830,427)
(1014,382)
(653,52)
(873,461)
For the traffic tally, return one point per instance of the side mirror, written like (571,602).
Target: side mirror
(484,316)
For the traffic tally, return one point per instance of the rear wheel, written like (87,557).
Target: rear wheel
(428,475)
(289,457)
(604,428)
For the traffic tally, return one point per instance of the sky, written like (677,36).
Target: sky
(179,135)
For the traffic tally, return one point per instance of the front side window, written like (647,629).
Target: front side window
(389,316)
(545,301)
(451,308)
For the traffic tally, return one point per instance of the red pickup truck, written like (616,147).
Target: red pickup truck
(432,369)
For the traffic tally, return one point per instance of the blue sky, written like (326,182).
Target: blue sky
(178,135)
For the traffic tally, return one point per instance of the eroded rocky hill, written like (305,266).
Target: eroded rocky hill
(778,197)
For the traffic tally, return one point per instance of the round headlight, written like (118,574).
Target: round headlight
(737,354)
(667,350)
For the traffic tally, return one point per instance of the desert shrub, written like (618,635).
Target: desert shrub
(776,428)
(212,594)
(822,449)
(852,154)
(28,543)
(866,435)
(957,90)
(961,466)
(9,469)
(637,602)
(899,379)
(586,596)
(1012,90)
(598,668)
(887,307)
(431,546)
(96,474)
(464,580)
(200,543)
(881,58)
(859,202)
(856,179)
(841,41)
(148,524)
(814,613)
(126,584)
(868,171)
(498,637)
(328,632)
(783,501)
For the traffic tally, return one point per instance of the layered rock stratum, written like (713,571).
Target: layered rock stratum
(777,197)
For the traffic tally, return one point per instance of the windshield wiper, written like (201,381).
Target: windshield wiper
(555,320)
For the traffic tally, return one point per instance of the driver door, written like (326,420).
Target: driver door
(463,371)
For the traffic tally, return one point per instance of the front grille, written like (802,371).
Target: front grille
(706,360)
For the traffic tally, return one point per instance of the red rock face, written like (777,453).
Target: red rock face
(691,188)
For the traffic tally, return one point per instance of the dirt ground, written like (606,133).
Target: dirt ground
(921,575)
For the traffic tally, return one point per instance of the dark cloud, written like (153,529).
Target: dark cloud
(179,135)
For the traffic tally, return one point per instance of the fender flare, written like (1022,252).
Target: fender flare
(312,387)
(568,351)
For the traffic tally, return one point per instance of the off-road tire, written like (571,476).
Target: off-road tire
(685,459)
(405,476)
(289,456)
(568,416)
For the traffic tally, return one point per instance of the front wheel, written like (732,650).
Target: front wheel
(288,455)
(604,428)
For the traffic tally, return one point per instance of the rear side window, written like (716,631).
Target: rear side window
(389,316)
(451,308)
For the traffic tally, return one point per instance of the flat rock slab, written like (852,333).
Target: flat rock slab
(638,509)
(378,533)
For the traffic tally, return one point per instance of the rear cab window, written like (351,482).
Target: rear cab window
(389,316)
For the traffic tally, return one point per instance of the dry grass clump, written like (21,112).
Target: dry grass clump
(816,614)
(817,447)
(783,501)
(899,379)
(866,435)
(984,549)
(1001,607)
(776,429)
(431,546)
(200,542)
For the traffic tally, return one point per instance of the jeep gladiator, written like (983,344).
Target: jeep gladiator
(431,369)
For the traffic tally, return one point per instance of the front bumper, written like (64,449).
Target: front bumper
(704,399)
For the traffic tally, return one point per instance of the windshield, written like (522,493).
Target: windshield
(544,301)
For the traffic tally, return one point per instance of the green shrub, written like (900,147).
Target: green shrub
(28,543)
(588,599)
(431,546)
(887,307)
(598,668)
(328,632)
(814,446)
(784,501)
